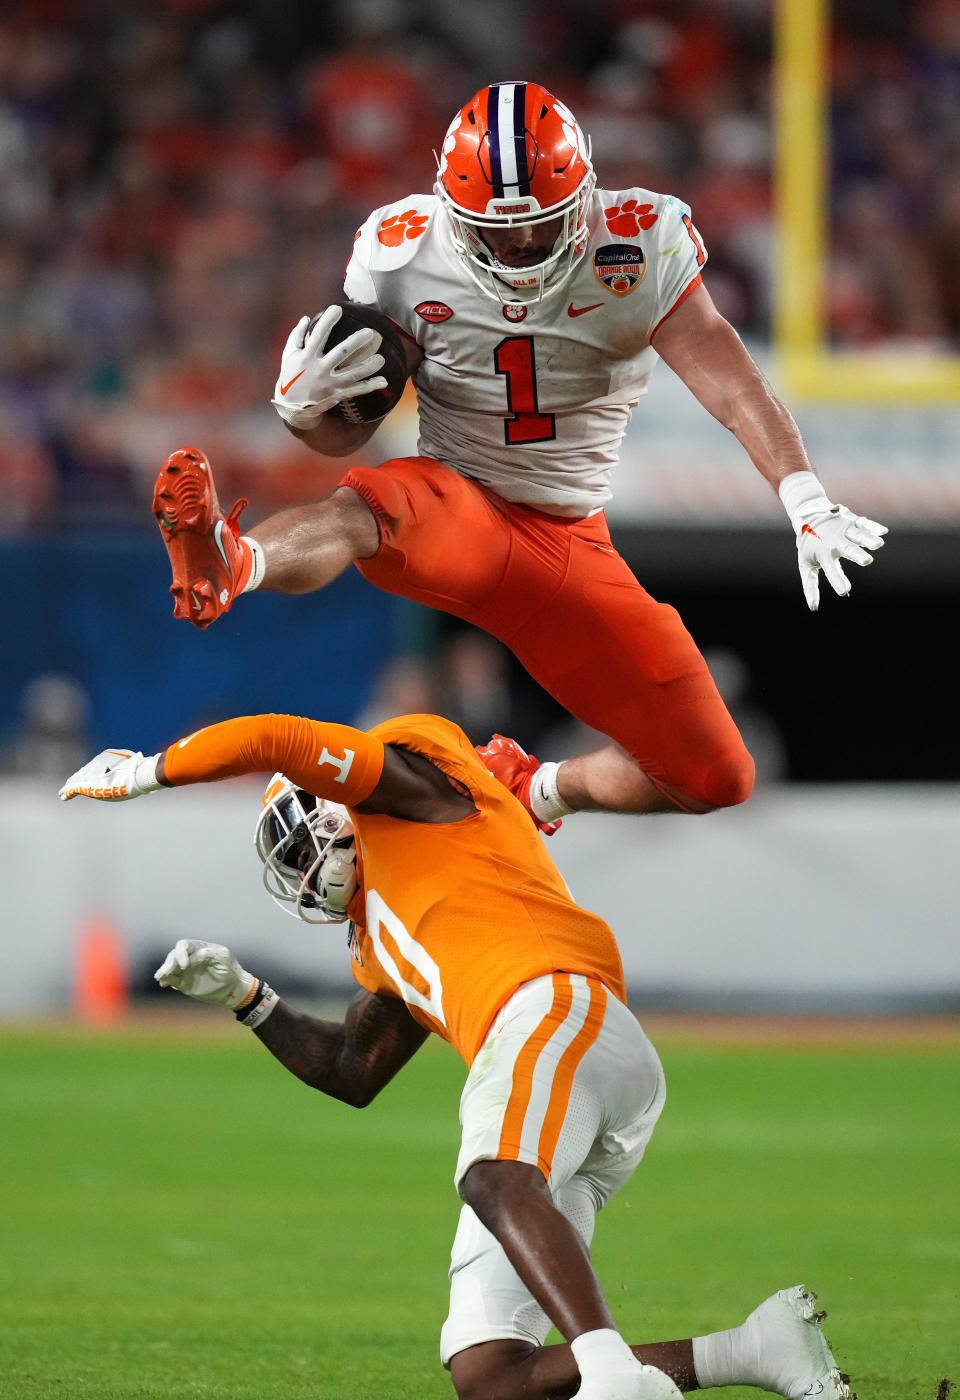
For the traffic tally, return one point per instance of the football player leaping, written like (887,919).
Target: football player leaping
(461,925)
(535,307)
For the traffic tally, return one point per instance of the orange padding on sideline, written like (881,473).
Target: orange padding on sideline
(330,760)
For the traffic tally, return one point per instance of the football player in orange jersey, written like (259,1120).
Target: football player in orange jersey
(534,307)
(461,925)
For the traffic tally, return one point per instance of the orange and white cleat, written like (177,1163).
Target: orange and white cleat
(210,565)
(514,767)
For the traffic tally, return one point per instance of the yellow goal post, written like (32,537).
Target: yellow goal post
(807,365)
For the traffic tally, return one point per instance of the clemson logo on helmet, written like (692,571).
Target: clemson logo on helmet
(449,142)
(398,227)
(627,219)
(571,129)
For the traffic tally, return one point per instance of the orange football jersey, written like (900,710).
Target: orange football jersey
(453,917)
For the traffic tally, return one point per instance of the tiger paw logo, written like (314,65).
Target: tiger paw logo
(627,219)
(399,227)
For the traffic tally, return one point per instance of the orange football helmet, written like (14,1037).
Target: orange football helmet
(515,158)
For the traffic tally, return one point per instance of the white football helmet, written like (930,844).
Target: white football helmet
(309,852)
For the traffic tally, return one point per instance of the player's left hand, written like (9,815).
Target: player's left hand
(826,539)
(826,534)
(115,775)
(206,972)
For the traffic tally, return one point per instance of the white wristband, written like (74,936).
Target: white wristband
(545,801)
(803,497)
(305,415)
(145,774)
(601,1351)
(264,1002)
(258,567)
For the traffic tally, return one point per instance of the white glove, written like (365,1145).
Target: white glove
(115,775)
(826,534)
(207,972)
(312,380)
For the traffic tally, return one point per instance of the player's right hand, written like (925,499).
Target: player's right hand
(115,775)
(207,972)
(313,379)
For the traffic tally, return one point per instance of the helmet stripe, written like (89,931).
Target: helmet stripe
(508,139)
(520,139)
(493,125)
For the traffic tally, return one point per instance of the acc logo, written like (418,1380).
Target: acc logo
(514,311)
(620,267)
(434,311)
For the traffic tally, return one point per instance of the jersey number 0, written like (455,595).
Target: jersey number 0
(515,360)
(405,961)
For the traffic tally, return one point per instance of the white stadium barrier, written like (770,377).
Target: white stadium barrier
(837,897)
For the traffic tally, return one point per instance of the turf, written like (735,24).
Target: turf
(182,1218)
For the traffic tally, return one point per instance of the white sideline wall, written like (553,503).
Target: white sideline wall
(804,892)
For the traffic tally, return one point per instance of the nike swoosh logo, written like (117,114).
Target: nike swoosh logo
(218,541)
(290,383)
(582,310)
(182,744)
(809,530)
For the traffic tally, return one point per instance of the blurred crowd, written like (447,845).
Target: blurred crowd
(895,199)
(444,668)
(180,181)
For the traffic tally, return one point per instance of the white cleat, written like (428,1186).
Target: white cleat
(646,1383)
(790,1354)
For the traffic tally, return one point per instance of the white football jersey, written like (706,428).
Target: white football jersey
(531,399)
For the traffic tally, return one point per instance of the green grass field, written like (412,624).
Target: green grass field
(183,1218)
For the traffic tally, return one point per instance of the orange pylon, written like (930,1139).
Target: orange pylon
(101,987)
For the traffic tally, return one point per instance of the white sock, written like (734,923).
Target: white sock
(545,799)
(716,1359)
(258,568)
(599,1353)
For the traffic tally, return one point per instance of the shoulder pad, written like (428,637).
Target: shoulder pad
(671,204)
(628,213)
(677,233)
(392,236)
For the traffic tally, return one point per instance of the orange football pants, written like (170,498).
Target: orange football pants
(557,593)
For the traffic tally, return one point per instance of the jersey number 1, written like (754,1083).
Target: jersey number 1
(514,359)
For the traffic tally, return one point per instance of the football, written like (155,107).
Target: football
(370,408)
